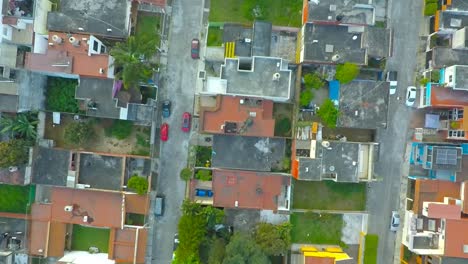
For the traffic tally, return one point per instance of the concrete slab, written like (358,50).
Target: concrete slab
(351,229)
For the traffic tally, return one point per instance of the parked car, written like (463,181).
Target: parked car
(203,193)
(186,120)
(395,221)
(164,133)
(410,95)
(166,108)
(176,244)
(159,206)
(195,50)
(392,79)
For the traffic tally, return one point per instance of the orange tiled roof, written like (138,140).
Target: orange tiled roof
(455,238)
(433,191)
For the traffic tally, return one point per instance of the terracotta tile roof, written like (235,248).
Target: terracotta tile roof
(464,197)
(103,208)
(455,238)
(447,97)
(39,231)
(229,109)
(317,260)
(125,241)
(67,58)
(447,211)
(57,233)
(253,190)
(433,191)
(136,204)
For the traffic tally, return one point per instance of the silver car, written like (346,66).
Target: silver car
(395,221)
(410,95)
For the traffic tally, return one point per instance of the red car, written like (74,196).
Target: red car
(186,118)
(195,50)
(164,133)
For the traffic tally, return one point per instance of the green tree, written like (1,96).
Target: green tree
(121,129)
(186,174)
(242,249)
(328,113)
(346,72)
(204,175)
(139,184)
(77,133)
(430,9)
(61,95)
(313,80)
(13,153)
(131,57)
(273,239)
(217,250)
(305,97)
(23,125)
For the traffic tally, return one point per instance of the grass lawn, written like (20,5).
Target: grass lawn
(329,195)
(85,237)
(279,12)
(148,26)
(313,228)
(14,198)
(215,36)
(370,249)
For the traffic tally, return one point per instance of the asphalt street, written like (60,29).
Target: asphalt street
(178,81)
(404,17)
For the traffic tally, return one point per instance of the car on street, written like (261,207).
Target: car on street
(395,221)
(195,50)
(164,132)
(166,108)
(392,79)
(186,120)
(176,244)
(410,95)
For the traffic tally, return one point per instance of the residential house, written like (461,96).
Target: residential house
(334,160)
(353,12)
(434,220)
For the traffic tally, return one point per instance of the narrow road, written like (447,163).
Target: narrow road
(178,86)
(404,18)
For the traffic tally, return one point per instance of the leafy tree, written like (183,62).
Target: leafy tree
(328,113)
(131,57)
(430,9)
(217,250)
(313,80)
(204,175)
(423,81)
(273,239)
(305,97)
(13,153)
(186,174)
(139,184)
(121,129)
(61,95)
(346,72)
(283,127)
(23,125)
(242,249)
(77,133)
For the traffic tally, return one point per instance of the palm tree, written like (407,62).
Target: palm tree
(23,125)
(131,56)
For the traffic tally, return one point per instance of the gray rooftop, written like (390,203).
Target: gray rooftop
(453,20)
(333,44)
(310,169)
(459,5)
(444,57)
(238,33)
(261,38)
(461,77)
(377,42)
(99,91)
(50,166)
(108,18)
(8,103)
(347,12)
(101,172)
(363,104)
(256,77)
(248,153)
(446,158)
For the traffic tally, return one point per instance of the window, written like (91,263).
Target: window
(450,78)
(456,134)
(95,46)
(455,114)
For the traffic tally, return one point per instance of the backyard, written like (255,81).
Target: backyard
(312,228)
(329,195)
(203,156)
(85,237)
(279,12)
(15,198)
(215,36)
(282,113)
(111,136)
(146,24)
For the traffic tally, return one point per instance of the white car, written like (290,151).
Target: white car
(395,221)
(410,95)
(392,79)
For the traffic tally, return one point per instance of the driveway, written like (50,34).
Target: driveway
(177,85)
(383,196)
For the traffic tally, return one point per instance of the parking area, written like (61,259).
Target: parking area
(101,172)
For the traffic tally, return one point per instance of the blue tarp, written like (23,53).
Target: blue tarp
(334,91)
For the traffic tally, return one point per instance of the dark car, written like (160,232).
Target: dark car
(186,120)
(164,133)
(195,50)
(166,108)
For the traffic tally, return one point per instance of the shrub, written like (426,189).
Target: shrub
(204,175)
(313,80)
(186,174)
(283,127)
(138,184)
(306,97)
(328,113)
(121,129)
(346,72)
(423,81)
(77,133)
(61,95)
(13,153)
(430,9)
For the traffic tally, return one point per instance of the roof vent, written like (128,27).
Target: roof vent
(331,168)
(68,208)
(332,8)
(75,42)
(109,30)
(315,41)
(57,39)
(336,57)
(276,76)
(101,70)
(81,29)
(354,37)
(330,17)
(12,168)
(325,144)
(241,101)
(85,219)
(236,203)
(328,48)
